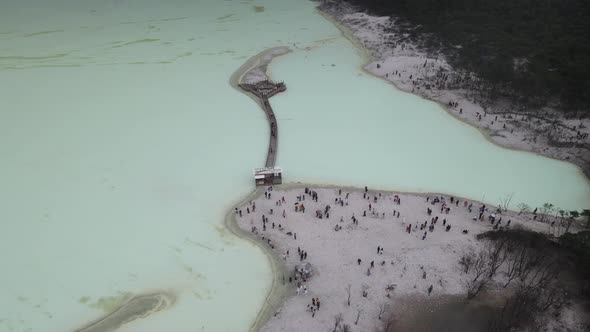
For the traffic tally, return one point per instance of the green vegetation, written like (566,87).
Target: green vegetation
(531,51)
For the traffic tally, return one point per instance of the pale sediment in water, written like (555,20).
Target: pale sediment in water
(276,295)
(139,306)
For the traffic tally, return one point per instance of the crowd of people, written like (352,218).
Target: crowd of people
(376,207)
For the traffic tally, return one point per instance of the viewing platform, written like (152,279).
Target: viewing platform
(263,90)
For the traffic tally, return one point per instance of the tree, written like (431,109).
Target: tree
(337,321)
(512,270)
(542,273)
(382,309)
(569,220)
(546,210)
(586,213)
(480,271)
(496,255)
(505,202)
(365,290)
(473,287)
(348,293)
(467,261)
(480,266)
(523,208)
(516,312)
(358,316)
(553,295)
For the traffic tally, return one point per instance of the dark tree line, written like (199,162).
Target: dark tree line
(532,264)
(531,51)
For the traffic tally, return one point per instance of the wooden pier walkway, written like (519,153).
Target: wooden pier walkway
(264,90)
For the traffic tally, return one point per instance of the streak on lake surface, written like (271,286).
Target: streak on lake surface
(112,157)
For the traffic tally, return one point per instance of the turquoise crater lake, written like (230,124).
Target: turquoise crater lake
(123,146)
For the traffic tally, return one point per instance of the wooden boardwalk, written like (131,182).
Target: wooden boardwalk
(263,91)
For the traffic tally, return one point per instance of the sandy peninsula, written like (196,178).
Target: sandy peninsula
(254,70)
(136,307)
(371,245)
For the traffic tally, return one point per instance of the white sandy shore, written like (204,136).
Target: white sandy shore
(410,69)
(333,254)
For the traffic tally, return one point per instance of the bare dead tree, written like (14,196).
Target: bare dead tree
(345,328)
(523,208)
(546,210)
(541,274)
(473,287)
(513,264)
(553,295)
(337,321)
(505,202)
(358,316)
(497,254)
(348,293)
(480,266)
(531,259)
(365,290)
(382,309)
(517,311)
(467,261)
(569,221)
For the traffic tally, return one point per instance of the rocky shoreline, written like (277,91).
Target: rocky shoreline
(397,60)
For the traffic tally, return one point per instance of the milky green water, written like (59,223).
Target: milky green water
(122,146)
